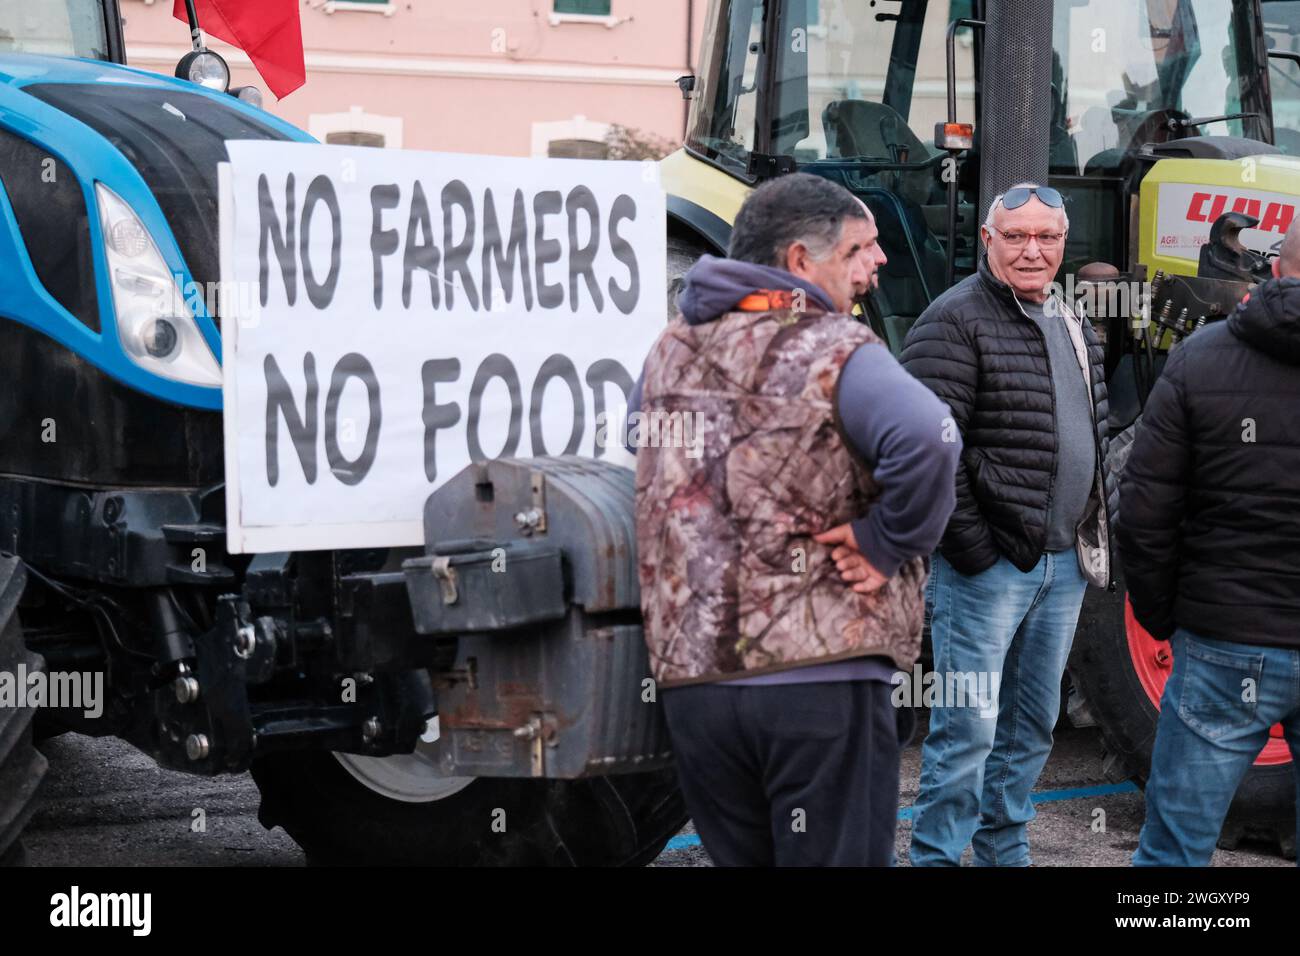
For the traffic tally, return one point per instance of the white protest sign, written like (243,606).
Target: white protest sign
(390,316)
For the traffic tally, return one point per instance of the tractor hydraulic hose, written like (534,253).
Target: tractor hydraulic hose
(173,638)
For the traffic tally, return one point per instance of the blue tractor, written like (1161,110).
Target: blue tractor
(307,669)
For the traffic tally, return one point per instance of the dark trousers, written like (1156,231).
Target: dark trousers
(790,775)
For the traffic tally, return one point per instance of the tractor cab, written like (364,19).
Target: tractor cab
(854,90)
(91,29)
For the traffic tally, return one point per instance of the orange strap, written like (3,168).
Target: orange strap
(766,300)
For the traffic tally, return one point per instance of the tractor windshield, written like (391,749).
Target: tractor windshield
(54,28)
(852,90)
(851,78)
(867,80)
(722,117)
(1130,72)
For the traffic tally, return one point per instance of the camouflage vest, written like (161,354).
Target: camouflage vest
(732,583)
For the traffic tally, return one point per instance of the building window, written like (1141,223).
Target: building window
(583,11)
(576,138)
(583,8)
(576,149)
(354,138)
(356,127)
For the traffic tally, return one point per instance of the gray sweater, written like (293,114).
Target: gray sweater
(1076,449)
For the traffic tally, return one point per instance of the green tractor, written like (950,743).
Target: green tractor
(1154,118)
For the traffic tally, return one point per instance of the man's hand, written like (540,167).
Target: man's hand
(853,566)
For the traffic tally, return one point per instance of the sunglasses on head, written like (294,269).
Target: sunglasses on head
(1017,197)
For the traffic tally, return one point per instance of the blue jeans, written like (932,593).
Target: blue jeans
(979,765)
(1215,715)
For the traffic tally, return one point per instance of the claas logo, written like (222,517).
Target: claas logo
(1208,207)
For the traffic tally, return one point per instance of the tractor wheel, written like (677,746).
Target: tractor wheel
(1122,672)
(21,765)
(683,251)
(348,810)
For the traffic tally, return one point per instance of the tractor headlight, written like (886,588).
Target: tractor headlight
(206,69)
(154,322)
(247,94)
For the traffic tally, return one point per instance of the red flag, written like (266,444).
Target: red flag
(267,30)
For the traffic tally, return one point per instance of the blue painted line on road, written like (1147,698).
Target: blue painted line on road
(1049,796)
(1105,790)
(686,840)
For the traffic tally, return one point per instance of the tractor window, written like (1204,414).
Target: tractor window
(850,90)
(54,28)
(862,80)
(724,107)
(853,79)
(1130,72)
(859,86)
(1282,27)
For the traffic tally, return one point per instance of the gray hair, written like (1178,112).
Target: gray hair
(997,201)
(798,207)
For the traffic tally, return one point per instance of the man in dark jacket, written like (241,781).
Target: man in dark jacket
(1025,381)
(781,558)
(1210,535)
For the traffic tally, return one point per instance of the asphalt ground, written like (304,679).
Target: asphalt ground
(106,804)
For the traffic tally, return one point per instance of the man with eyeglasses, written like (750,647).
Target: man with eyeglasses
(1025,380)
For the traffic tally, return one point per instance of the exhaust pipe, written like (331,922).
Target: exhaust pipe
(1017,96)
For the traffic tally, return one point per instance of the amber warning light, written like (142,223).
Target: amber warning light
(954,137)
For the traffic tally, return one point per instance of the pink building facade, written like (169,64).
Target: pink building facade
(505,77)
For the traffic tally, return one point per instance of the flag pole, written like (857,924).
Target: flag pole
(196,35)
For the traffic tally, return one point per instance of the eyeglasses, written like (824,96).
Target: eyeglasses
(1017,197)
(1018,240)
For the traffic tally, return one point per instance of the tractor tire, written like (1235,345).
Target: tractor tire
(1108,666)
(620,820)
(21,765)
(683,251)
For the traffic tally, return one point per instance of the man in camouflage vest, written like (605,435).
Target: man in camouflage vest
(782,582)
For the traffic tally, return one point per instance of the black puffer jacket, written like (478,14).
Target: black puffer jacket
(1210,501)
(979,352)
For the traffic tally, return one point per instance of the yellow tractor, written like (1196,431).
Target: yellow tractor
(1154,118)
